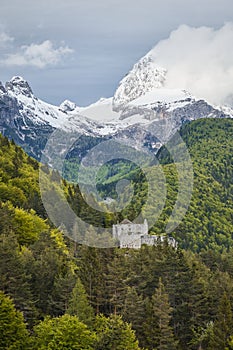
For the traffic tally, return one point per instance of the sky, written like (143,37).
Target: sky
(80,49)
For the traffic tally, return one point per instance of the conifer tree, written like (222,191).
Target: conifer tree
(116,287)
(93,266)
(134,312)
(223,326)
(14,278)
(162,312)
(79,305)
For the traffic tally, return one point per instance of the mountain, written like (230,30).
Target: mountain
(143,113)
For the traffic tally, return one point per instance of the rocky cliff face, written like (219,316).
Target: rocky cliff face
(143,113)
(30,121)
(17,121)
(144,77)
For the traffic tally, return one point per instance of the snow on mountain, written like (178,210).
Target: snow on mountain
(228,111)
(67,106)
(30,121)
(143,78)
(143,112)
(162,95)
(42,113)
(2,89)
(18,86)
(101,111)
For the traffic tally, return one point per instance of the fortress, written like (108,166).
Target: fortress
(130,235)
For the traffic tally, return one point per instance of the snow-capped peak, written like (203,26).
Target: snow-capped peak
(67,106)
(18,86)
(145,76)
(163,96)
(2,88)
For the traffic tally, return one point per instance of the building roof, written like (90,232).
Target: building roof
(125,222)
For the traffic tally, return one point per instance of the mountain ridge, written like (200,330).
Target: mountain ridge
(142,109)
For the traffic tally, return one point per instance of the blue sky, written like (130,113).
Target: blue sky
(80,49)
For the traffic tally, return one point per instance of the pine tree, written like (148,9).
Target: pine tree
(51,275)
(162,312)
(134,312)
(92,264)
(14,278)
(116,287)
(178,278)
(79,305)
(223,326)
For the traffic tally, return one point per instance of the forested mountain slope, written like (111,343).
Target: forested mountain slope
(94,294)
(208,222)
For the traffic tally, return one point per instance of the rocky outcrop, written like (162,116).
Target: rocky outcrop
(145,122)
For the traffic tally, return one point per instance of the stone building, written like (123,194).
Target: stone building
(130,235)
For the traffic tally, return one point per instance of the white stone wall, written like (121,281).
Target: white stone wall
(132,241)
(132,235)
(129,229)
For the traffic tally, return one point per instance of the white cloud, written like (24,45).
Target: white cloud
(199,60)
(37,55)
(5,39)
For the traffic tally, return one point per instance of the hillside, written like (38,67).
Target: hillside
(208,221)
(61,288)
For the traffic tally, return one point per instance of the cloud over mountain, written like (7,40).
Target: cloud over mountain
(199,60)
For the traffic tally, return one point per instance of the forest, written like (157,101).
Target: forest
(57,294)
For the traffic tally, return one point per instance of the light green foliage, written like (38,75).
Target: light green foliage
(65,332)
(28,226)
(230,344)
(24,223)
(114,334)
(19,177)
(79,305)
(13,333)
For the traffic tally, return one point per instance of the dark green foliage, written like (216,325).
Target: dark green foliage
(208,222)
(36,269)
(93,265)
(223,325)
(171,297)
(14,277)
(52,276)
(158,331)
(134,312)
